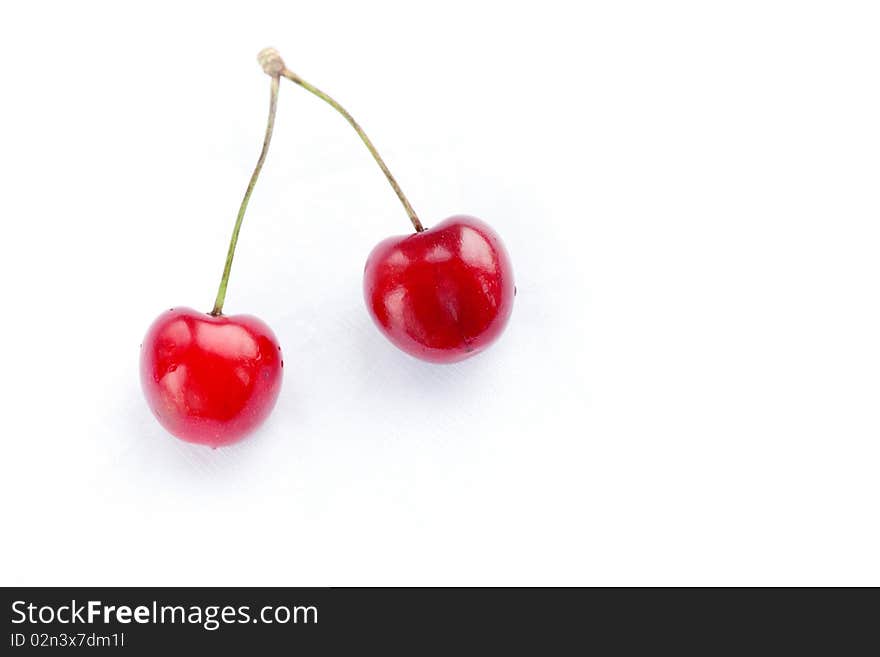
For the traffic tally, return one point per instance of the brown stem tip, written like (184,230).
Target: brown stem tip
(271,62)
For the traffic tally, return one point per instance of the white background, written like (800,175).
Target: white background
(689,388)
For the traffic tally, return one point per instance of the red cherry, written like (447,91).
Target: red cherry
(443,294)
(210,380)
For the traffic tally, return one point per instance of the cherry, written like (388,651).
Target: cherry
(210,378)
(443,294)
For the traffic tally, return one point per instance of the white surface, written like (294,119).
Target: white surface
(689,388)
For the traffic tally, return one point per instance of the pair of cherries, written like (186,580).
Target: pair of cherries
(441,294)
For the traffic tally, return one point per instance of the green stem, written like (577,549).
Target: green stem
(270,125)
(293,77)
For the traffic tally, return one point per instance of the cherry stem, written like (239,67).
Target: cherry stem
(293,77)
(270,125)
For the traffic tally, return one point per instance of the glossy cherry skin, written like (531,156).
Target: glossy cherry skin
(443,294)
(210,380)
